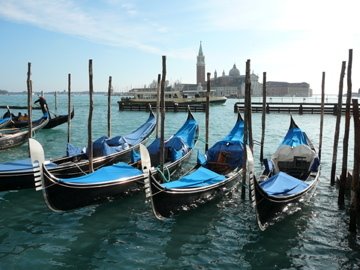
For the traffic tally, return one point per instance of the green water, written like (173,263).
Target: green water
(124,234)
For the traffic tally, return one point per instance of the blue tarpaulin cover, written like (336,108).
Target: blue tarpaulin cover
(177,145)
(237,132)
(21,165)
(295,137)
(231,150)
(230,147)
(4,120)
(199,178)
(105,146)
(283,184)
(105,174)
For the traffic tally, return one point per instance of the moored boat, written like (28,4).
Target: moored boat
(290,177)
(13,137)
(19,174)
(5,122)
(173,99)
(120,179)
(214,175)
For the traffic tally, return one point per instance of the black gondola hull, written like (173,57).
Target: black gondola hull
(270,209)
(58,120)
(60,196)
(13,140)
(166,203)
(16,180)
(63,197)
(67,167)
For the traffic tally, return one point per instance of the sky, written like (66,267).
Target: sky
(292,41)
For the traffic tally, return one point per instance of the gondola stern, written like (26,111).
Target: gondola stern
(190,114)
(239,117)
(292,123)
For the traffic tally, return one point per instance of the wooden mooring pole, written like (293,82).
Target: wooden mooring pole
(344,170)
(158,105)
(249,118)
(29,90)
(246,128)
(55,94)
(162,112)
(69,109)
(322,113)
(263,119)
(91,108)
(207,111)
(355,187)
(337,125)
(109,107)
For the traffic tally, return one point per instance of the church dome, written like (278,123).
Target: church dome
(234,72)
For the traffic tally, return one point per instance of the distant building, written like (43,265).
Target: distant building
(233,84)
(285,89)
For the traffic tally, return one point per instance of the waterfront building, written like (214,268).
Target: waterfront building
(232,85)
(285,89)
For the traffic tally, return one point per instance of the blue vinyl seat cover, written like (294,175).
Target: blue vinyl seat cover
(105,146)
(283,184)
(199,178)
(106,174)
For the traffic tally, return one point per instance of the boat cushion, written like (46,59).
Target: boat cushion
(283,184)
(21,165)
(200,178)
(118,171)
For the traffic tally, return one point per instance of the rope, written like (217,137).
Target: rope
(201,140)
(164,178)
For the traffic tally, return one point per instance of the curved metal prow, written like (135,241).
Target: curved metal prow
(37,159)
(146,165)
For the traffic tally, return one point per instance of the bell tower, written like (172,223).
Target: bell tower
(200,67)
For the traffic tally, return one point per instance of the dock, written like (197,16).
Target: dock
(291,107)
(169,106)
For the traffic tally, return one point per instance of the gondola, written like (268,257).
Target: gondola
(19,174)
(21,121)
(58,120)
(290,177)
(120,179)
(215,174)
(6,119)
(4,122)
(16,136)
